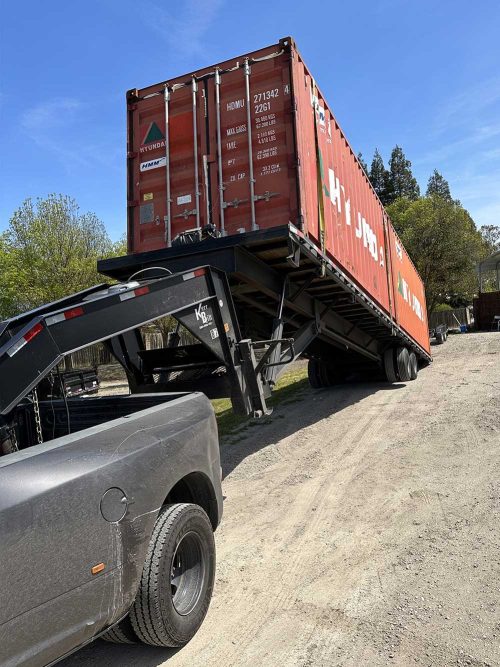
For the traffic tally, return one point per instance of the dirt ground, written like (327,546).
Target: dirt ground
(361,527)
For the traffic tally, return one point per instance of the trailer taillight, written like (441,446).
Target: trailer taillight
(139,291)
(66,315)
(34,331)
(193,274)
(29,335)
(74,312)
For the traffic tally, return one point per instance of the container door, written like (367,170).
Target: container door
(255,148)
(168,193)
(214,150)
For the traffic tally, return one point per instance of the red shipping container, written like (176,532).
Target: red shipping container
(251,144)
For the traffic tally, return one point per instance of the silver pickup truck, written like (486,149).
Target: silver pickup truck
(107,531)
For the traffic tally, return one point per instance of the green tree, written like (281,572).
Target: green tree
(444,244)
(402,181)
(380,178)
(438,186)
(9,296)
(491,236)
(49,250)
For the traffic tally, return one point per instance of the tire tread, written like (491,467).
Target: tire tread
(145,615)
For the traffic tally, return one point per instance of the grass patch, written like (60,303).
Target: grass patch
(285,392)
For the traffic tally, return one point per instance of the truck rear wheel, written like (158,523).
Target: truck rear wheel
(177,578)
(121,633)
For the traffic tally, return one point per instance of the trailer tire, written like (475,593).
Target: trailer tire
(321,374)
(390,366)
(403,363)
(313,374)
(121,633)
(413,366)
(439,338)
(181,550)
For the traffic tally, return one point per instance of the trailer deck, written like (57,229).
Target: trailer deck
(281,281)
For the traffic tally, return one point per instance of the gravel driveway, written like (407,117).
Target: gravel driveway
(361,527)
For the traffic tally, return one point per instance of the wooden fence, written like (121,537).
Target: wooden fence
(98,355)
(450,317)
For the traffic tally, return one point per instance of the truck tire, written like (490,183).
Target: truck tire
(121,633)
(403,363)
(413,366)
(390,366)
(177,578)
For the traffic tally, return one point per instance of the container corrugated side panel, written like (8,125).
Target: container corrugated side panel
(409,293)
(341,211)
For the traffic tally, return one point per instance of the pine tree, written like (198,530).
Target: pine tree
(438,186)
(379,178)
(403,183)
(361,160)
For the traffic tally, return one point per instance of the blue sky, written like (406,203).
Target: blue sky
(420,73)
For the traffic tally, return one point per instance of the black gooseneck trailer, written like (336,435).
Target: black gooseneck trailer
(284,287)
(253,302)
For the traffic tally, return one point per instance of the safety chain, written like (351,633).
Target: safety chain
(38,421)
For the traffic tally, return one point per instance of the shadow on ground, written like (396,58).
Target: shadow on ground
(105,654)
(296,408)
(300,409)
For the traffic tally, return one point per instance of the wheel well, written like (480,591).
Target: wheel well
(198,489)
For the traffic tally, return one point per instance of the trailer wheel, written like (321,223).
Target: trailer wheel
(413,366)
(313,374)
(439,338)
(403,363)
(322,375)
(177,578)
(121,633)
(390,366)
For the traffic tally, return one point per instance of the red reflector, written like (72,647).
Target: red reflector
(34,331)
(199,272)
(141,290)
(74,312)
